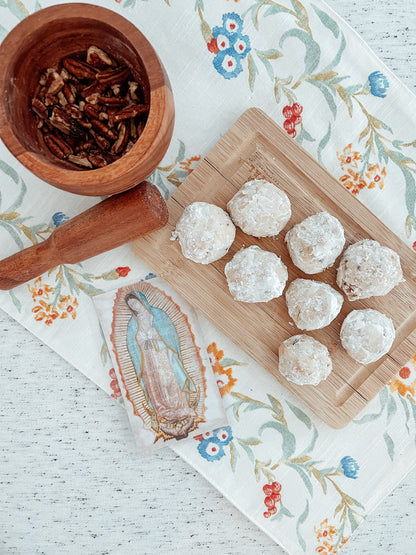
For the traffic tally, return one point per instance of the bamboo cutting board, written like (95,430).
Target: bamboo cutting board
(255,147)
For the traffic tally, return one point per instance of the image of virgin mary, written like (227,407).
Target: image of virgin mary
(154,346)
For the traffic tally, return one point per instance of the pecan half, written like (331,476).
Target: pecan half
(70,92)
(102,142)
(80,159)
(97,159)
(39,108)
(95,87)
(91,111)
(57,146)
(85,146)
(54,83)
(131,112)
(64,122)
(78,68)
(102,129)
(113,76)
(112,101)
(98,58)
(122,139)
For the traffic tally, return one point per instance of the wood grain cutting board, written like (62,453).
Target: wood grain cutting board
(255,147)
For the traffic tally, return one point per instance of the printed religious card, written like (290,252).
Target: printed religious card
(161,363)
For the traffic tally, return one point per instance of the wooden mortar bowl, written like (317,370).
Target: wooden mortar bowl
(43,39)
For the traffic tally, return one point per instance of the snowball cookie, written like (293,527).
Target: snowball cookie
(260,208)
(368,270)
(205,232)
(312,305)
(367,335)
(315,243)
(255,275)
(304,361)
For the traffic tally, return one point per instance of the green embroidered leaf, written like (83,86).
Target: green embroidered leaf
(344,96)
(19,199)
(352,519)
(129,3)
(273,10)
(323,142)
(15,236)
(338,55)
(410,196)
(406,412)
(181,152)
(252,71)
(17,8)
(391,409)
(278,409)
(326,20)
(15,300)
(306,136)
(226,362)
(303,20)
(233,456)
(283,511)
(304,477)
(383,396)
(389,444)
(313,50)
(327,94)
(300,415)
(382,154)
(311,445)
(8,170)
(288,439)
(268,67)
(249,453)
(317,475)
(300,521)
(368,418)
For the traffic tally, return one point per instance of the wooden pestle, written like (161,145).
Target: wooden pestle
(107,225)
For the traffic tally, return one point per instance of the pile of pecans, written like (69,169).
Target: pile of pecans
(88,109)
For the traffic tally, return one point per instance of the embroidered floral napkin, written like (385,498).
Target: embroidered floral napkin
(304,484)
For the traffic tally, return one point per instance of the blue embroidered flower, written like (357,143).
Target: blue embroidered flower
(350,467)
(229,45)
(378,84)
(224,435)
(211,449)
(212,444)
(59,218)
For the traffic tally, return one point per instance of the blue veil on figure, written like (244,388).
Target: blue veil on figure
(167,332)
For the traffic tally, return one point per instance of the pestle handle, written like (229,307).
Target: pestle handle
(107,225)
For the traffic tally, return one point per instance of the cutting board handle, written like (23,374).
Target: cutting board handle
(107,225)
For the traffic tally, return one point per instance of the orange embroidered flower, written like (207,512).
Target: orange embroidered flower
(326,535)
(405,380)
(45,313)
(225,380)
(40,290)
(349,158)
(353,181)
(190,164)
(325,531)
(375,176)
(68,307)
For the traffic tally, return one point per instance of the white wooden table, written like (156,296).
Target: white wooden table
(71,480)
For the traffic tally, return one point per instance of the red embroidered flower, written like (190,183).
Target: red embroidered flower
(272,493)
(414,246)
(292,115)
(123,270)
(213,46)
(114,385)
